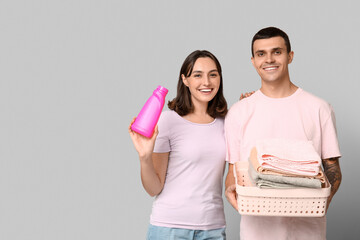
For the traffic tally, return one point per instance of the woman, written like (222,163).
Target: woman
(183,163)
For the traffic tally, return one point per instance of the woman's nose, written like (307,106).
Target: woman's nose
(206,80)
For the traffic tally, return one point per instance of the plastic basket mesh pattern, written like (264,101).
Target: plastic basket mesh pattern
(297,202)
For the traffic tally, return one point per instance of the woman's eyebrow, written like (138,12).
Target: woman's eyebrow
(199,71)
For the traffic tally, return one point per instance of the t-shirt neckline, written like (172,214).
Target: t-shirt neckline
(280,99)
(199,124)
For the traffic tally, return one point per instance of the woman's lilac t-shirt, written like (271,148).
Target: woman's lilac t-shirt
(192,194)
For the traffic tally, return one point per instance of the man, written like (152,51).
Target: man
(279,109)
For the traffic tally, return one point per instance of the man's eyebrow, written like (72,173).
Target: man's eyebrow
(278,48)
(273,49)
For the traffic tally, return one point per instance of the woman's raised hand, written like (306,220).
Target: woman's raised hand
(143,145)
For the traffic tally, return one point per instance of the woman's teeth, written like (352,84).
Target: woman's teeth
(205,90)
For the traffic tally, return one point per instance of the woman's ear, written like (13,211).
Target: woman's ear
(184,80)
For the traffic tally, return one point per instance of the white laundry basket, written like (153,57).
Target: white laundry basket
(296,202)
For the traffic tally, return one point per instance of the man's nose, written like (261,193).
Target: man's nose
(270,58)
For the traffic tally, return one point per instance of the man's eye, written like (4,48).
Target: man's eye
(260,54)
(278,52)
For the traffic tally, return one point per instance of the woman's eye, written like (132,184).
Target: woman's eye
(197,75)
(213,75)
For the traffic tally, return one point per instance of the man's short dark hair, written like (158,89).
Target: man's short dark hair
(271,32)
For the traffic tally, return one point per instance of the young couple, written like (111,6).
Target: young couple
(183,163)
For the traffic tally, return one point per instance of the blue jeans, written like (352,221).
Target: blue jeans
(165,233)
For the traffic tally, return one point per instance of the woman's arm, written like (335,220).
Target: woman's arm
(153,172)
(153,165)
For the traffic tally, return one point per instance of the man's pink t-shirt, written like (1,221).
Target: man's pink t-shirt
(192,194)
(301,116)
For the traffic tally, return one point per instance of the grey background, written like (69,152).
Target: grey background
(73,74)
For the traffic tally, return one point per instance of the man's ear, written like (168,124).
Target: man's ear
(252,61)
(185,81)
(291,57)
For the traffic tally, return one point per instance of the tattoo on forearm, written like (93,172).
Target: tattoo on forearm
(333,173)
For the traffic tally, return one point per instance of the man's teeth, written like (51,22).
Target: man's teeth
(271,68)
(205,90)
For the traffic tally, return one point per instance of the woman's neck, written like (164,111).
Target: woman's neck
(199,115)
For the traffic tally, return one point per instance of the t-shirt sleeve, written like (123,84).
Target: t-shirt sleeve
(232,137)
(162,142)
(329,140)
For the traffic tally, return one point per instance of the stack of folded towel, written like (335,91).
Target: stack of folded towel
(284,163)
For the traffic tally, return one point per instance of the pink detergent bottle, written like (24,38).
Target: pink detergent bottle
(149,115)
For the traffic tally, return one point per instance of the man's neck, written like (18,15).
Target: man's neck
(278,90)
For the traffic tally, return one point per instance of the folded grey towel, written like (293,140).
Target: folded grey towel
(277,181)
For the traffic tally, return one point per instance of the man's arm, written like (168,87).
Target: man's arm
(333,173)
(230,187)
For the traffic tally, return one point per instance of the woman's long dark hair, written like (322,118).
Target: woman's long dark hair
(182,104)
